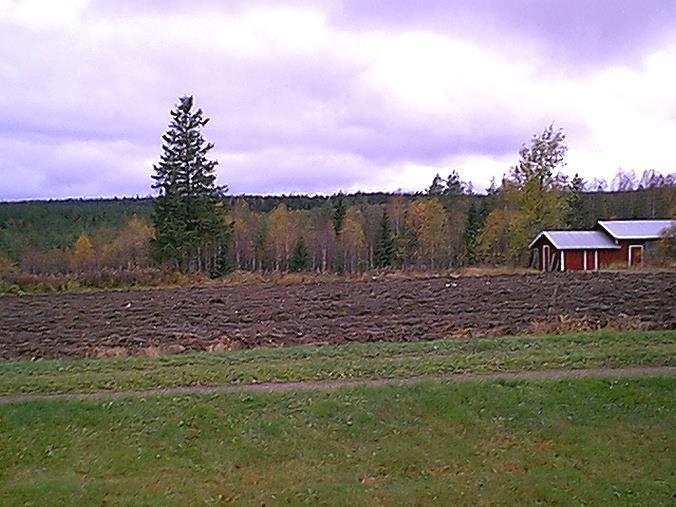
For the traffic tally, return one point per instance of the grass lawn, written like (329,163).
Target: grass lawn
(353,361)
(573,442)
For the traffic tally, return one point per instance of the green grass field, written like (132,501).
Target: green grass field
(354,361)
(576,442)
(555,442)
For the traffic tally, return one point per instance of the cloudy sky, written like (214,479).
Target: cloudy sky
(312,96)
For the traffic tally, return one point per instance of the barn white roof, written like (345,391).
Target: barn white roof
(636,229)
(576,240)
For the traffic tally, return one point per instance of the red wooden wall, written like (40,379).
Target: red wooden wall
(574,259)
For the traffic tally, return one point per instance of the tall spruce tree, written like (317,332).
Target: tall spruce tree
(476,216)
(300,258)
(339,212)
(385,251)
(188,214)
(578,215)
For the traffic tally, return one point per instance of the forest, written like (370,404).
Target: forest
(444,227)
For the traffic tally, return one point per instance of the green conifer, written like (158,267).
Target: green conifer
(300,258)
(339,212)
(577,216)
(385,251)
(188,213)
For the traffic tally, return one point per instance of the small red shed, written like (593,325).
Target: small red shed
(613,243)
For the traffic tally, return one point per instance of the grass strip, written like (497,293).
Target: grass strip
(587,442)
(353,361)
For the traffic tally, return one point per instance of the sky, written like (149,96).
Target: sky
(321,96)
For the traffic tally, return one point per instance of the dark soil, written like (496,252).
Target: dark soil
(217,318)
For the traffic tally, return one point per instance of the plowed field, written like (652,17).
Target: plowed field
(217,318)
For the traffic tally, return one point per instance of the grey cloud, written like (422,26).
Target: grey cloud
(76,169)
(572,30)
(83,109)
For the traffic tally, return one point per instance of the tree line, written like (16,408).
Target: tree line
(193,226)
(406,232)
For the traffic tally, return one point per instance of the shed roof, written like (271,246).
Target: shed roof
(577,240)
(636,229)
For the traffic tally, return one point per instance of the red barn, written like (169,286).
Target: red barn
(613,243)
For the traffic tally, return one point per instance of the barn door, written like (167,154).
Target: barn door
(545,258)
(635,255)
(591,259)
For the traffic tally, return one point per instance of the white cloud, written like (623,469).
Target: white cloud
(40,14)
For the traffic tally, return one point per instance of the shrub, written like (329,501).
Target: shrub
(16,282)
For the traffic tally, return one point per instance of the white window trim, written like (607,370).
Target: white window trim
(584,260)
(596,260)
(563,260)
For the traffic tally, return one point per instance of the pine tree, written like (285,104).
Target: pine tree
(473,227)
(577,216)
(339,212)
(222,262)
(437,186)
(493,189)
(385,244)
(454,186)
(300,259)
(188,214)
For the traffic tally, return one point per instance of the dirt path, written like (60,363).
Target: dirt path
(460,378)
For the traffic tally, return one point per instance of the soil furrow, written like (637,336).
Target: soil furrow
(197,319)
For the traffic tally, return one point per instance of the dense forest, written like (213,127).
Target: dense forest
(445,227)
